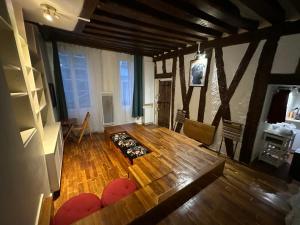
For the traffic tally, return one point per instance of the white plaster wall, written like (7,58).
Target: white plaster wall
(286,59)
(287,54)
(148,67)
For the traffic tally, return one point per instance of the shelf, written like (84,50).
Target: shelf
(33,69)
(12,67)
(27,135)
(51,133)
(37,89)
(4,25)
(41,108)
(18,94)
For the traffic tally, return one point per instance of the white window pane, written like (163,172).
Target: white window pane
(124,76)
(75,79)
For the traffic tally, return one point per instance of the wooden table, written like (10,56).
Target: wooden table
(172,173)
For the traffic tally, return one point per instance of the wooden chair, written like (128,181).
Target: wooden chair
(80,129)
(180,117)
(198,131)
(233,131)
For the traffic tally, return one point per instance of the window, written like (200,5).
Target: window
(125,83)
(75,80)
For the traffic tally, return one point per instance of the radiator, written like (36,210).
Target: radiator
(107,104)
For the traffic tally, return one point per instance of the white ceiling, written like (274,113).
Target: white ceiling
(33,12)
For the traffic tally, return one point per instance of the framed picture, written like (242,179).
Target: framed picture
(197,72)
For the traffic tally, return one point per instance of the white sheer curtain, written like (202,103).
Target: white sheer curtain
(118,71)
(83,82)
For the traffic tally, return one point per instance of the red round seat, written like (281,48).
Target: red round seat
(117,189)
(76,208)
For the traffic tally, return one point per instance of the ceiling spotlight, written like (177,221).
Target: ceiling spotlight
(49,12)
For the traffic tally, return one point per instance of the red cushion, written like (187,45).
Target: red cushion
(117,189)
(76,208)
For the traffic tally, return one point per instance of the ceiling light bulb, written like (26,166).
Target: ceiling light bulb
(48,16)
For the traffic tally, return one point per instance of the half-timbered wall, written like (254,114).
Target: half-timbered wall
(285,61)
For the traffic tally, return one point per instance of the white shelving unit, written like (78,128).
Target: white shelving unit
(51,130)
(24,70)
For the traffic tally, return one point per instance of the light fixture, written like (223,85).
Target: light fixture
(198,54)
(49,12)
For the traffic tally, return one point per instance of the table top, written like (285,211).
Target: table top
(149,168)
(174,171)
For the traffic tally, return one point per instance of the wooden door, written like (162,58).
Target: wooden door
(164,102)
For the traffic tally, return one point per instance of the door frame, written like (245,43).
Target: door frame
(156,93)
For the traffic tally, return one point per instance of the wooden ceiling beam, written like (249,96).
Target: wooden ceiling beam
(87,11)
(223,10)
(50,33)
(137,39)
(142,27)
(192,15)
(288,28)
(128,42)
(130,10)
(133,32)
(296,4)
(268,9)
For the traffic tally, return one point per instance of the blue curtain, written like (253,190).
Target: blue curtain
(137,103)
(61,99)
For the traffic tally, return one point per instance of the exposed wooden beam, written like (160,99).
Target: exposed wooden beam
(270,10)
(203,90)
(258,95)
(175,12)
(222,84)
(127,42)
(222,10)
(142,27)
(133,32)
(50,34)
(88,8)
(296,3)
(194,12)
(182,51)
(288,79)
(163,75)
(237,77)
(125,36)
(174,68)
(286,27)
(284,79)
(128,10)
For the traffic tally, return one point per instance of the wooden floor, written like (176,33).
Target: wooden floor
(241,196)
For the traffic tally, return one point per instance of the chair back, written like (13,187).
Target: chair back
(232,130)
(198,131)
(85,121)
(180,116)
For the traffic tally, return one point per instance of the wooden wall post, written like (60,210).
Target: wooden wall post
(258,95)
(203,90)
(174,66)
(186,95)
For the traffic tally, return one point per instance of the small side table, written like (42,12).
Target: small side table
(295,166)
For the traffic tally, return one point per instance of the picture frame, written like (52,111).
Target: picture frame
(197,72)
